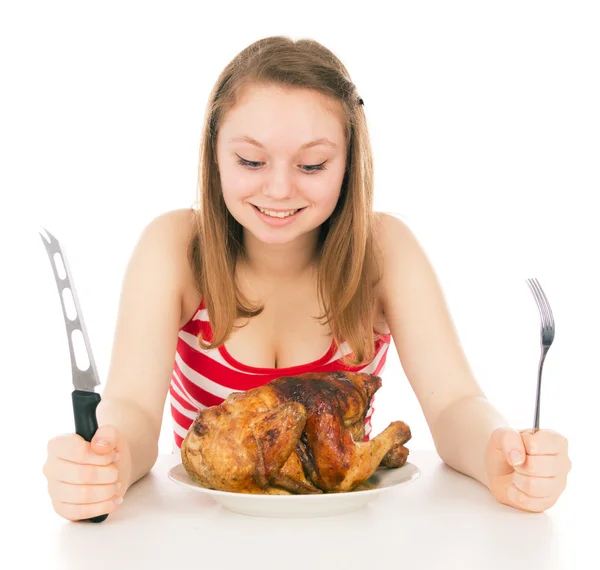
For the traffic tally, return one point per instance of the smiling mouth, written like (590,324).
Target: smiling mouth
(280,214)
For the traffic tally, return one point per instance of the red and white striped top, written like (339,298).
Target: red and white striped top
(203,378)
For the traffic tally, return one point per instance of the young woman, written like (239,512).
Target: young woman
(283,269)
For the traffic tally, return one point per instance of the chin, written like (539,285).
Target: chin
(276,238)
(282,235)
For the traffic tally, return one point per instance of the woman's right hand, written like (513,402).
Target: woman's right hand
(87,479)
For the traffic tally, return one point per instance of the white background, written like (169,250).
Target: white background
(485,122)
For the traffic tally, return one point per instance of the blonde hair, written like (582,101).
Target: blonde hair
(346,257)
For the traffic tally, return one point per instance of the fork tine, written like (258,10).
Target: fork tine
(49,240)
(538,299)
(44,234)
(52,238)
(547,305)
(542,302)
(547,318)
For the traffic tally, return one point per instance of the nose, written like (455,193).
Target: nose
(280,185)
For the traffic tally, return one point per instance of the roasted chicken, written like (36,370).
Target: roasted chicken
(295,435)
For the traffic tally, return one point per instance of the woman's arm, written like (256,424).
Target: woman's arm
(145,338)
(459,416)
(462,432)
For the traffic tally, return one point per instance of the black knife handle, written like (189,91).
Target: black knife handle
(84,410)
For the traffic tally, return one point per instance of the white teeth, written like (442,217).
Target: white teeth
(278,214)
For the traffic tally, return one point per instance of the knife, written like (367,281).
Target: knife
(84,398)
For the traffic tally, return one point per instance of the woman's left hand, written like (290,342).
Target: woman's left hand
(527,470)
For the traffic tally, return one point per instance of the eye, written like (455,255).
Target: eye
(248,163)
(315,167)
(256,165)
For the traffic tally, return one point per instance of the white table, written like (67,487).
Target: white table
(441,520)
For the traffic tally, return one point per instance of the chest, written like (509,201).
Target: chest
(285,335)
(288,332)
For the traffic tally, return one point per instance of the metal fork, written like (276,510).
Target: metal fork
(546,339)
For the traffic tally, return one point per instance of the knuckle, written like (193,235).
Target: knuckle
(533,486)
(85,494)
(86,474)
(113,474)
(520,500)
(527,485)
(89,494)
(539,466)
(105,474)
(76,450)
(527,436)
(79,453)
(527,468)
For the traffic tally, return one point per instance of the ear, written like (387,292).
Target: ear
(276,434)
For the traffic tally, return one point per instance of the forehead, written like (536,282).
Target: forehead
(283,117)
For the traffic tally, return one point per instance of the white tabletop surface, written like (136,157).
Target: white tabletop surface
(442,520)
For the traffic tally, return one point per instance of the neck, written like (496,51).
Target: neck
(280,262)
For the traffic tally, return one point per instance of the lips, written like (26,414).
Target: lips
(278,214)
(278,220)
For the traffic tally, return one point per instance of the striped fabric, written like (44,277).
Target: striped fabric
(203,378)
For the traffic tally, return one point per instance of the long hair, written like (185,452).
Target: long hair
(346,258)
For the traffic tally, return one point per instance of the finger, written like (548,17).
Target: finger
(509,441)
(83,494)
(69,446)
(105,440)
(545,466)
(524,502)
(544,442)
(73,447)
(82,512)
(540,487)
(84,474)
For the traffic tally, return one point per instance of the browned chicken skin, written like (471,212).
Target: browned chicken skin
(297,434)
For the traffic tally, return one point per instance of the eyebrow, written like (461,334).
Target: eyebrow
(317,142)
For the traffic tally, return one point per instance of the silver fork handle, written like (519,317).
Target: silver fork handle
(536,419)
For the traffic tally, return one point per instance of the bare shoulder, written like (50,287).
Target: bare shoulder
(402,257)
(173,226)
(168,237)
(392,233)
(408,276)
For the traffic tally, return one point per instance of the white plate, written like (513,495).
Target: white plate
(384,479)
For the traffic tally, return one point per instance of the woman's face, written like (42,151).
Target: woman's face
(268,159)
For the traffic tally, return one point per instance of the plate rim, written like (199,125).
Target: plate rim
(293,497)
